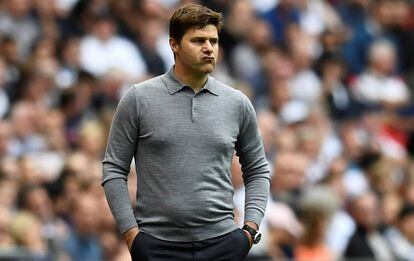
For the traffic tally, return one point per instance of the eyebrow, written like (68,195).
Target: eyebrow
(204,38)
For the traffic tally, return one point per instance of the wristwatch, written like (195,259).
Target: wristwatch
(256,236)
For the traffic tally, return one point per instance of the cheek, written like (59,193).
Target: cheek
(190,52)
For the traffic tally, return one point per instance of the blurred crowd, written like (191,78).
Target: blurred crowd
(331,80)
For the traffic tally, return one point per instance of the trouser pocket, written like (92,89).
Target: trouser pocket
(246,241)
(135,246)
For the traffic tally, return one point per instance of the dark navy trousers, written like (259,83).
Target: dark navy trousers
(233,246)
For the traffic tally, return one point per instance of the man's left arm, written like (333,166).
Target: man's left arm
(255,168)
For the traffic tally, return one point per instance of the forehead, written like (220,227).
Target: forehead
(207,31)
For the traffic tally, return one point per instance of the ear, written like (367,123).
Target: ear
(174,45)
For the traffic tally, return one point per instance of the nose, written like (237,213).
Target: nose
(207,47)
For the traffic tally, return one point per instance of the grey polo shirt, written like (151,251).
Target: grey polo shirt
(183,144)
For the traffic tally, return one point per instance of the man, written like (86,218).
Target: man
(368,241)
(103,50)
(182,129)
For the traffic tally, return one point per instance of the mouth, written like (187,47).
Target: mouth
(208,59)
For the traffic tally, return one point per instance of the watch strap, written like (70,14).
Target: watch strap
(256,236)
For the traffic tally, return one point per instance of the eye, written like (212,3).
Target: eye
(198,41)
(214,41)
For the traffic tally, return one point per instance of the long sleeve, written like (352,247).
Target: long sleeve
(116,191)
(256,173)
(121,148)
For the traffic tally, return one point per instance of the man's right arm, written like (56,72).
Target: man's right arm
(121,148)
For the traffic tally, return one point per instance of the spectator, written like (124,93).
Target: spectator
(289,177)
(284,231)
(353,12)
(304,85)
(102,50)
(17,22)
(92,140)
(6,241)
(351,134)
(252,49)
(34,199)
(9,187)
(337,97)
(13,71)
(378,85)
(401,237)
(112,88)
(82,242)
(294,114)
(367,241)
(317,206)
(25,138)
(69,70)
(284,14)
(391,205)
(26,231)
(240,14)
(316,16)
(376,25)
(46,14)
(148,41)
(341,226)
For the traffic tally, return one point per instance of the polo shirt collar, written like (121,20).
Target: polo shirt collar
(174,85)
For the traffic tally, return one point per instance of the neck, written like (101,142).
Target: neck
(193,80)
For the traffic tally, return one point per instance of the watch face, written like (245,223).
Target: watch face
(257,239)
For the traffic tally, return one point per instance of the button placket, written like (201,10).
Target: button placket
(194,106)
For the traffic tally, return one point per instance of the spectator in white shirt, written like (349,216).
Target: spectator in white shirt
(103,49)
(378,85)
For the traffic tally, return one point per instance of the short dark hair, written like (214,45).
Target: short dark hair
(193,16)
